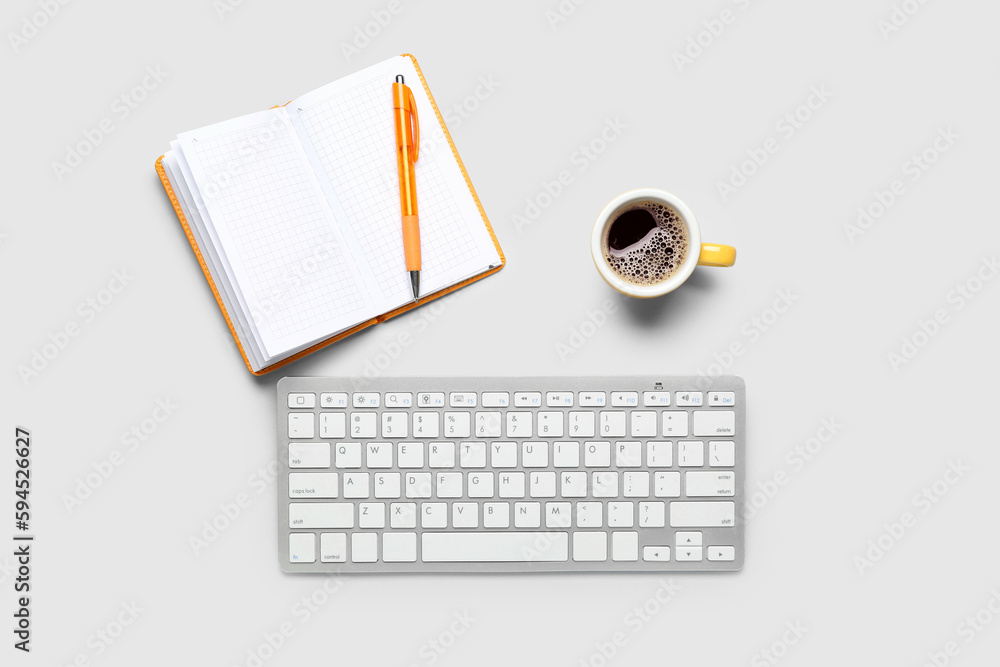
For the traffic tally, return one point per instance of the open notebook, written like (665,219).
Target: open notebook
(294,214)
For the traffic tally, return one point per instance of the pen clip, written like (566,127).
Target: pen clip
(415,125)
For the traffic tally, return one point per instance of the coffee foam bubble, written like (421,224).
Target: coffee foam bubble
(656,256)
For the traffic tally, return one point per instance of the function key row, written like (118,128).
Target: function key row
(501,399)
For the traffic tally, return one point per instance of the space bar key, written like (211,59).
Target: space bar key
(457,547)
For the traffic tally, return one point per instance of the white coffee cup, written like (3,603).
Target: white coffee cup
(708,254)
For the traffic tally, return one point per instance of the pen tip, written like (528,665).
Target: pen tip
(415,284)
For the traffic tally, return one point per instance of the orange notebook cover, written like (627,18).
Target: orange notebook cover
(160,170)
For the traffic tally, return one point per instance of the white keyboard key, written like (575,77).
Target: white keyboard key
(496,399)
(590,546)
(710,483)
(635,484)
(628,454)
(675,424)
(527,399)
(605,484)
(394,424)
(366,399)
(589,515)
(463,399)
(398,399)
(333,425)
(688,399)
(410,455)
(722,553)
(688,554)
(643,424)
(667,484)
(302,547)
(441,455)
(574,485)
(597,454)
(312,485)
(302,400)
(480,484)
(535,455)
(625,546)
(465,515)
(371,515)
(559,399)
(387,485)
(488,424)
(543,484)
(518,425)
(333,547)
(558,515)
(503,455)
(403,515)
(348,455)
(527,515)
(301,425)
(722,399)
(714,422)
(449,485)
(482,547)
(363,425)
(333,400)
(418,485)
(656,554)
(624,399)
(684,538)
(355,485)
(612,425)
(566,454)
(378,455)
(581,424)
(433,515)
(512,484)
(652,514)
(593,399)
(620,515)
(496,515)
(399,547)
(658,455)
(426,425)
(364,547)
(690,453)
(321,515)
(430,399)
(698,514)
(457,424)
(309,455)
(473,454)
(722,453)
(657,399)
(550,424)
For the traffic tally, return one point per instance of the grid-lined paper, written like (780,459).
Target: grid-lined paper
(354,139)
(275,229)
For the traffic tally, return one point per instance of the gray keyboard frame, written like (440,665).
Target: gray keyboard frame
(733,536)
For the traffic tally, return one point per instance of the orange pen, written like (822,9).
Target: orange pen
(404,111)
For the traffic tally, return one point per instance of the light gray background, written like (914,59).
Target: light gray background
(824,358)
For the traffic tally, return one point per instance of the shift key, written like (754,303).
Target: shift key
(702,514)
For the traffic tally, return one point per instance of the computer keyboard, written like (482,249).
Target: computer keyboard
(509,474)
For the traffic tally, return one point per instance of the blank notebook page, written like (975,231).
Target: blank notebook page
(349,124)
(275,229)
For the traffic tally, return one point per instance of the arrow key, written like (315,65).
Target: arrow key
(690,538)
(722,553)
(661,554)
(689,554)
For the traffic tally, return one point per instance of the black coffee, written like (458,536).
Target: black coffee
(646,243)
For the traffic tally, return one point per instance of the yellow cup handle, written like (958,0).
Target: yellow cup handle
(716,255)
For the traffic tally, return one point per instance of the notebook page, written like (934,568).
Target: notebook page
(274,227)
(351,136)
